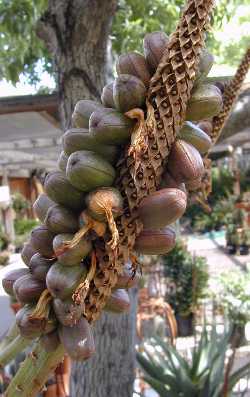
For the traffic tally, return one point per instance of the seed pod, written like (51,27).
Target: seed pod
(205,65)
(206,126)
(74,255)
(191,133)
(162,208)
(32,328)
(50,342)
(155,242)
(169,182)
(194,185)
(110,127)
(28,289)
(67,312)
(135,64)
(129,92)
(62,161)
(154,45)
(62,280)
(107,96)
(9,279)
(82,112)
(98,201)
(61,220)
(60,190)
(41,206)
(205,102)
(185,163)
(27,252)
(39,266)
(127,279)
(78,340)
(118,302)
(87,171)
(79,139)
(41,238)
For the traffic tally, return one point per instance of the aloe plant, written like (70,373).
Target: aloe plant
(205,375)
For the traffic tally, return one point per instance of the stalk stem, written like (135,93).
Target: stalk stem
(10,335)
(10,351)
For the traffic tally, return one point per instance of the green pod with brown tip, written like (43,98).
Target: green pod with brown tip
(28,289)
(61,220)
(154,45)
(41,206)
(39,266)
(11,277)
(205,102)
(185,163)
(135,64)
(82,112)
(205,65)
(27,252)
(78,340)
(62,161)
(42,238)
(194,135)
(62,280)
(80,139)
(66,311)
(99,200)
(110,127)
(32,328)
(129,92)
(127,279)
(60,190)
(118,302)
(162,208)
(87,171)
(107,96)
(74,255)
(155,242)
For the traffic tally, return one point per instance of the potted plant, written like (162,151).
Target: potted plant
(186,280)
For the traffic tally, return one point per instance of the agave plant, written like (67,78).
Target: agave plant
(206,374)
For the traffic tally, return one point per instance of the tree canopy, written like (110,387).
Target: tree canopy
(22,52)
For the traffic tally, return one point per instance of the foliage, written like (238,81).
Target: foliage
(186,279)
(24,226)
(4,240)
(233,296)
(19,203)
(205,375)
(4,258)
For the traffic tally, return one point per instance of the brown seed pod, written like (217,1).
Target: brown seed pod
(27,252)
(28,289)
(61,220)
(107,96)
(74,255)
(127,279)
(42,238)
(118,302)
(194,185)
(155,242)
(78,340)
(206,126)
(205,102)
(39,266)
(32,328)
(129,92)
(185,163)
(62,161)
(50,341)
(169,182)
(60,190)
(135,64)
(162,208)
(41,206)
(9,279)
(67,312)
(154,45)
(82,112)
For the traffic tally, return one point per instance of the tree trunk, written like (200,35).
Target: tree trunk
(76,32)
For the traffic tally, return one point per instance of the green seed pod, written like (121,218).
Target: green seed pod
(39,266)
(110,127)
(135,64)
(72,256)
(82,112)
(79,139)
(41,238)
(62,280)
(194,135)
(78,340)
(154,45)
(205,102)
(61,220)
(118,302)
(33,328)
(9,279)
(87,171)
(98,201)
(129,92)
(155,242)
(162,208)
(60,190)
(41,206)
(27,252)
(62,161)
(107,96)
(28,289)
(204,67)
(67,312)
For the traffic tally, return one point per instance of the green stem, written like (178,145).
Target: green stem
(10,335)
(10,351)
(34,372)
